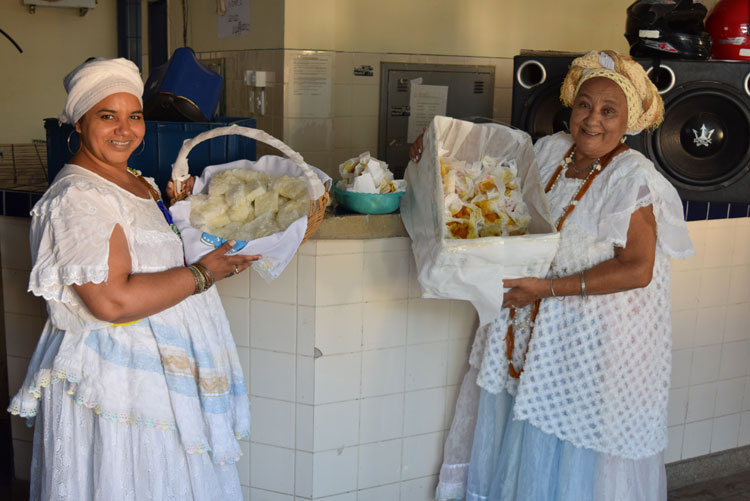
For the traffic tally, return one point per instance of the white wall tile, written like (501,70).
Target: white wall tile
(281,290)
(304,427)
(705,367)
(424,411)
(381,418)
(709,325)
(273,326)
(303,474)
(22,334)
(347,496)
(336,425)
(729,395)
(22,459)
(244,355)
(457,359)
(306,330)
(685,289)
(738,323)
(697,439)
(343,68)
(342,104)
(238,314)
(426,365)
(384,324)
(309,248)
(306,273)
(245,492)
(365,100)
(419,489)
(272,375)
(243,465)
(415,290)
(739,284)
(334,247)
(383,371)
(429,321)
(713,286)
(741,254)
(379,463)
(674,444)
(334,472)
(307,133)
(677,406)
(735,359)
(681,365)
(386,276)
(339,279)
(272,468)
(337,378)
(725,432)
(701,402)
(422,455)
(746,398)
(305,380)
(236,285)
(744,437)
(378,245)
(389,492)
(338,329)
(273,422)
(262,495)
(719,245)
(464,320)
(683,328)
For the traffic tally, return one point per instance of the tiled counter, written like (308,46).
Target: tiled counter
(353,376)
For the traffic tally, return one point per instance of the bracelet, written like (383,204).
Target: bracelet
(583,286)
(207,274)
(200,280)
(559,298)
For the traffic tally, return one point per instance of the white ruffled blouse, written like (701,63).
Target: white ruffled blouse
(597,370)
(177,369)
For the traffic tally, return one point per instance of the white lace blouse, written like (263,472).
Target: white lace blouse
(597,370)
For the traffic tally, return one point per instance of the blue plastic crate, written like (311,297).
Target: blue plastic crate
(163,142)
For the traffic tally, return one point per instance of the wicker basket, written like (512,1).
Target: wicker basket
(319,196)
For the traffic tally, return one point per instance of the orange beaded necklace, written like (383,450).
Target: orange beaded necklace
(594,171)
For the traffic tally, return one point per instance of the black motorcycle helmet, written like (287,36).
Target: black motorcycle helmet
(667,28)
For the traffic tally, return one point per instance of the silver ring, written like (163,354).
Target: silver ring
(236,269)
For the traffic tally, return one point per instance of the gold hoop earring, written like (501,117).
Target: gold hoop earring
(143,148)
(79,145)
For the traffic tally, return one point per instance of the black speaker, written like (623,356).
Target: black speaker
(703,145)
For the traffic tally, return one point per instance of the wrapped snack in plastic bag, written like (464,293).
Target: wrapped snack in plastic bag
(476,212)
(365,174)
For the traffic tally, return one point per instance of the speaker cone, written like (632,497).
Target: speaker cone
(704,141)
(544,114)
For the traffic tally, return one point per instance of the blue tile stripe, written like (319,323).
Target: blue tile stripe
(19,203)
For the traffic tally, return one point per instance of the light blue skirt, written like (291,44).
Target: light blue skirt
(512,460)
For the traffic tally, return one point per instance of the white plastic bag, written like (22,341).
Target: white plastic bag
(473,269)
(277,249)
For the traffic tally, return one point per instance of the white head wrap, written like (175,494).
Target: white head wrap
(96,79)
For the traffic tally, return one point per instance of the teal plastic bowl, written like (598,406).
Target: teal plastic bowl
(368,203)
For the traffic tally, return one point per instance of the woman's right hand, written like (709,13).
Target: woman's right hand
(415,152)
(223,265)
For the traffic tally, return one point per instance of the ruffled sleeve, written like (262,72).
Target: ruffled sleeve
(630,182)
(70,231)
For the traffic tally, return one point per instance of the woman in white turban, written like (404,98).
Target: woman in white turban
(566,398)
(135,384)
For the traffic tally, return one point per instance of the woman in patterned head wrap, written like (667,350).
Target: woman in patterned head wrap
(135,383)
(567,395)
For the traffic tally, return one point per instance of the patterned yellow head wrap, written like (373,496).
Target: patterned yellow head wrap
(645,106)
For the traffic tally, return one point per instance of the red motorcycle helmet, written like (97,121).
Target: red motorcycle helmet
(729,27)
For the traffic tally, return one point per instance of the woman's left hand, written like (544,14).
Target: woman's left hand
(524,291)
(187,189)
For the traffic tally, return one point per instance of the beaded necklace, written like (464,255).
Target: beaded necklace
(155,195)
(594,171)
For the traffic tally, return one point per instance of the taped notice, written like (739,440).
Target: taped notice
(425,102)
(235,20)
